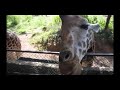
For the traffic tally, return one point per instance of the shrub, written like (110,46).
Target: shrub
(51,25)
(12,21)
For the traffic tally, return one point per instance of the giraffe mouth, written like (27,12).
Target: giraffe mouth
(71,67)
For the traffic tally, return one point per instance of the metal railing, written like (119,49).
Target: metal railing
(57,53)
(43,62)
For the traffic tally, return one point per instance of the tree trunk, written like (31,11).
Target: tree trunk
(107,22)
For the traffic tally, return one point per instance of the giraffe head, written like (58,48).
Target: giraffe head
(76,36)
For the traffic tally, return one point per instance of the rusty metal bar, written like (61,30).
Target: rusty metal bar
(100,54)
(26,51)
(19,73)
(57,53)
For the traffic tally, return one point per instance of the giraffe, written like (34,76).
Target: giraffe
(77,36)
(12,42)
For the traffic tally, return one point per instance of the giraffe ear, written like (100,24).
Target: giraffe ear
(94,27)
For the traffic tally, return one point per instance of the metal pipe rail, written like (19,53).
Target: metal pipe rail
(57,53)
(26,51)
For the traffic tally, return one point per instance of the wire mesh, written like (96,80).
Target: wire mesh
(33,63)
(46,63)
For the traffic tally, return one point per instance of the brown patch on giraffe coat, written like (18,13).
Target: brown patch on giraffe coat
(80,50)
(88,35)
(11,47)
(13,42)
(88,43)
(8,45)
(84,51)
(8,39)
(91,43)
(83,44)
(14,45)
(79,44)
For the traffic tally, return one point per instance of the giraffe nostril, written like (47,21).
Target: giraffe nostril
(67,56)
(64,56)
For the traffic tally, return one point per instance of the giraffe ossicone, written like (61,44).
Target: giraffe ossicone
(77,36)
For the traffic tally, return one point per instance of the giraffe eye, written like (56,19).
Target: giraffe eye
(84,26)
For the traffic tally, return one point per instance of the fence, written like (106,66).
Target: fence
(39,63)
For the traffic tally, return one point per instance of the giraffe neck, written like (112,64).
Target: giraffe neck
(84,45)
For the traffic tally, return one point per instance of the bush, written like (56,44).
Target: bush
(43,38)
(12,21)
(17,22)
(101,19)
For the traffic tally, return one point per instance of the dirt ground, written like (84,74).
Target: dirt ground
(26,46)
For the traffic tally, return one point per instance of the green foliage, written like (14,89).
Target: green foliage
(18,23)
(30,23)
(101,19)
(97,19)
(12,20)
(111,24)
(41,38)
(56,20)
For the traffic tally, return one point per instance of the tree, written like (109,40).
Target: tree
(107,22)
